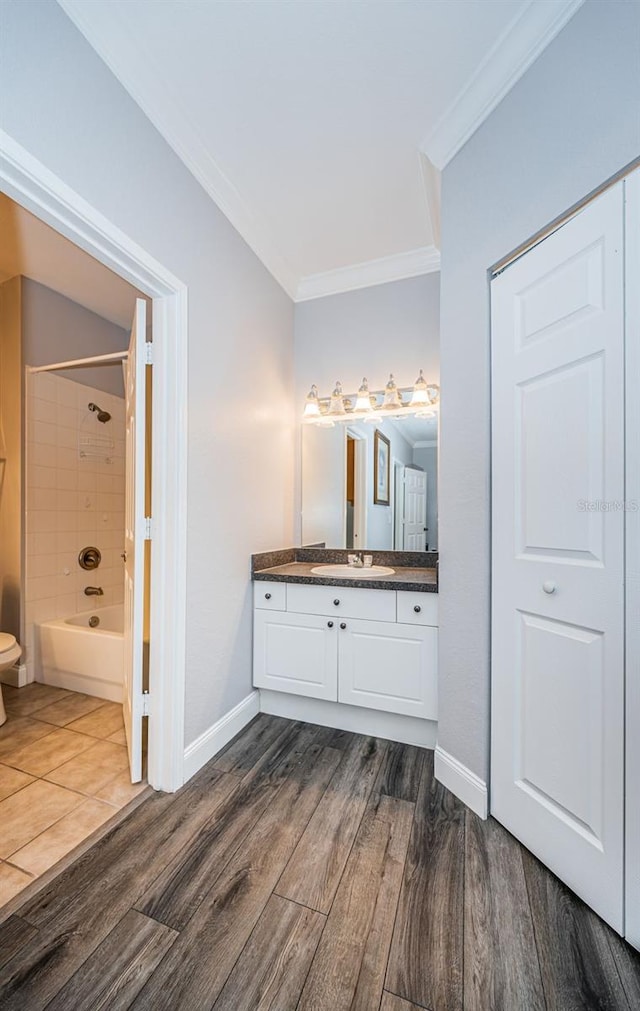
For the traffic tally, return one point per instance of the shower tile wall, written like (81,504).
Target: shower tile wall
(72,502)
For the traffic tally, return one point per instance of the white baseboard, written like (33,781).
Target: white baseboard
(468,787)
(372,722)
(17,676)
(200,751)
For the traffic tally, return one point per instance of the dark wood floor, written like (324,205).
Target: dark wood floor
(312,869)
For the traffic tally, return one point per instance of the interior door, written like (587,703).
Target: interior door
(557,547)
(134,539)
(415,509)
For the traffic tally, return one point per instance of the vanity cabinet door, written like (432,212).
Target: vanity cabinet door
(296,653)
(388,667)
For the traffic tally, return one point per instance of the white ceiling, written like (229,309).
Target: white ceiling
(33,249)
(316,126)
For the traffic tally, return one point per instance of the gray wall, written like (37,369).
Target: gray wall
(392,327)
(55,329)
(568,125)
(63,104)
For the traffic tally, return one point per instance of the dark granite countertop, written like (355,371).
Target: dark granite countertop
(294,565)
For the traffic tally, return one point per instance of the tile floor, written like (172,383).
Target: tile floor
(64,771)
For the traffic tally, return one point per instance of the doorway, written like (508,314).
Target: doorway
(34,187)
(355,491)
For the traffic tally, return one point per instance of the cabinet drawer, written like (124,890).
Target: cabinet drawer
(342,601)
(417,608)
(270,596)
(389,667)
(295,653)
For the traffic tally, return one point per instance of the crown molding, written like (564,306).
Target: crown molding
(181,134)
(507,60)
(413,263)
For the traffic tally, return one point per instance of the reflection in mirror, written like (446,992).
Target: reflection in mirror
(371,487)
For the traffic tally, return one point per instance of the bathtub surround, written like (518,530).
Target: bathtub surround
(73,501)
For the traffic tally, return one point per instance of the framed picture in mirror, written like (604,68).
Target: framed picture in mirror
(381,466)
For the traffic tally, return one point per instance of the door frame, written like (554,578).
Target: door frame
(632,563)
(359,488)
(32,185)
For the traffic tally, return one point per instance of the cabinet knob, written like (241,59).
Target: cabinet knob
(267,596)
(343,624)
(549,586)
(336,602)
(417,608)
(329,624)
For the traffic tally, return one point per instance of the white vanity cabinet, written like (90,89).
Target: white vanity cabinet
(371,648)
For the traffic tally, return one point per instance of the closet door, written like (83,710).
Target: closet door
(558,552)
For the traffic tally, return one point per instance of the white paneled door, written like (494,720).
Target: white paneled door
(415,509)
(134,539)
(558,552)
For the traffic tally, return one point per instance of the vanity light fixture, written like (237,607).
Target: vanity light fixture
(419,400)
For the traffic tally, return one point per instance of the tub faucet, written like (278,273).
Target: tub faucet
(93,591)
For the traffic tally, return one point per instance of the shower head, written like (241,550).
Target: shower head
(103,416)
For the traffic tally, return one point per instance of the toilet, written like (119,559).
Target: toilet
(9,652)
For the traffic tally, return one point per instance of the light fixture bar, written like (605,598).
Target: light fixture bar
(421,400)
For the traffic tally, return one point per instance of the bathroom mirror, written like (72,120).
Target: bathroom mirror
(371,486)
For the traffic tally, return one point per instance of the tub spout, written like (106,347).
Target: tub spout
(93,591)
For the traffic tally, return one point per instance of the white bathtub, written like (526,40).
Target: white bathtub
(75,656)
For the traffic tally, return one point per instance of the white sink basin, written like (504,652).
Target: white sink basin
(352,571)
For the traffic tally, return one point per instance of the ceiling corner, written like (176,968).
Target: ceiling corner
(412,263)
(508,59)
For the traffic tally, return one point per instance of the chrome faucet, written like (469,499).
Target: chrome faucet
(93,591)
(356,560)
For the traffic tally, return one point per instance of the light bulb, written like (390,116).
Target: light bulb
(420,395)
(336,405)
(363,403)
(391,396)
(312,405)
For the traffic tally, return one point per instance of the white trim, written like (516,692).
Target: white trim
(32,185)
(357,720)
(17,676)
(509,58)
(632,561)
(413,263)
(468,787)
(425,444)
(172,120)
(202,750)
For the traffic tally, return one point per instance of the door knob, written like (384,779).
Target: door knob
(343,624)
(329,624)
(549,586)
